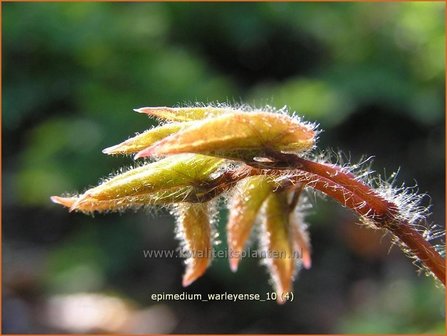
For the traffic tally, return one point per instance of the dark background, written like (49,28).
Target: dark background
(371,74)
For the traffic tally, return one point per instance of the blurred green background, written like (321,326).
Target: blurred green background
(372,75)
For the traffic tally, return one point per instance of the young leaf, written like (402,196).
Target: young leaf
(145,139)
(173,172)
(239,131)
(195,232)
(300,238)
(91,205)
(280,257)
(244,207)
(184,113)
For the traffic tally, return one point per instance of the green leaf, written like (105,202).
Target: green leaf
(239,131)
(145,139)
(170,175)
(195,231)
(244,207)
(184,113)
(280,257)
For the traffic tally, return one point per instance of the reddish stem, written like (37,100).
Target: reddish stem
(401,229)
(353,193)
(343,187)
(337,192)
(421,248)
(336,174)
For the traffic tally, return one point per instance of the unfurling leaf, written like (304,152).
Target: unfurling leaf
(280,257)
(184,113)
(145,139)
(238,131)
(194,230)
(244,206)
(91,205)
(300,238)
(179,171)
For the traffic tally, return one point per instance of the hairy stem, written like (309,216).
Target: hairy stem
(349,191)
(421,248)
(336,174)
(366,202)
(344,187)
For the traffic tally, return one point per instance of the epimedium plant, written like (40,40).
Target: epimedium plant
(262,162)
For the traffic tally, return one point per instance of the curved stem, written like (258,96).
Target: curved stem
(336,174)
(353,193)
(417,245)
(343,187)
(421,248)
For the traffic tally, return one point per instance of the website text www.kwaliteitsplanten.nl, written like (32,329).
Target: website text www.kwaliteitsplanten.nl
(217,254)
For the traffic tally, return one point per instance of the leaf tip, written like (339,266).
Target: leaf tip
(152,111)
(307,261)
(234,263)
(69,202)
(194,271)
(65,201)
(140,110)
(187,281)
(110,150)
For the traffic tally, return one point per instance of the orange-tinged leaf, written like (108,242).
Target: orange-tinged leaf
(280,257)
(244,206)
(145,139)
(195,231)
(90,205)
(300,238)
(178,171)
(239,131)
(184,113)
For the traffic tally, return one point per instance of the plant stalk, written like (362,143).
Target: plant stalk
(358,196)
(342,186)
